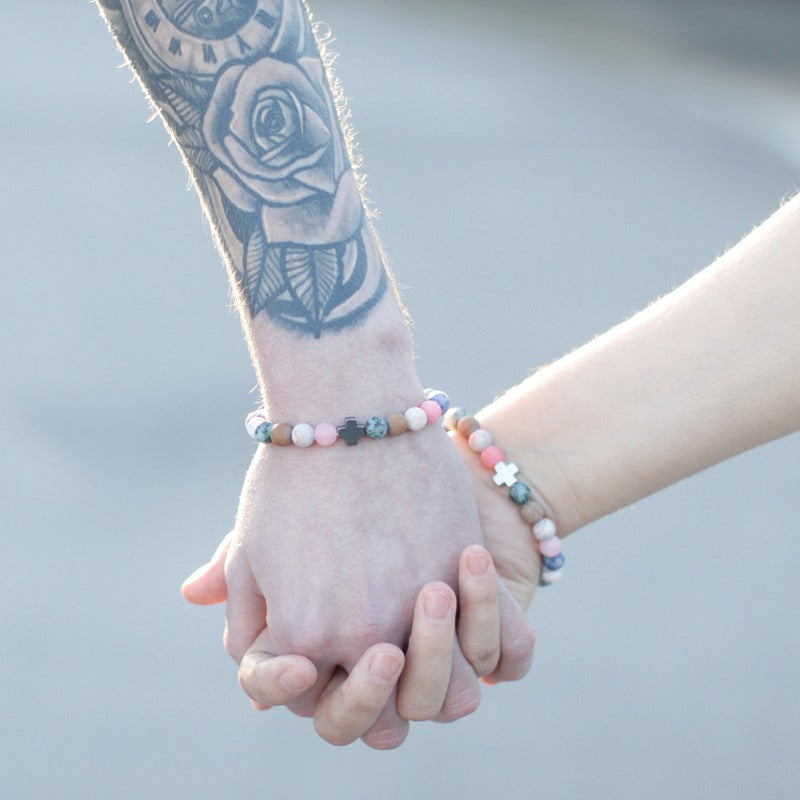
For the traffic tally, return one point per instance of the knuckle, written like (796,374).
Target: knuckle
(356,702)
(518,651)
(417,711)
(385,738)
(462,703)
(331,734)
(251,691)
(366,632)
(482,598)
(233,646)
(312,644)
(302,711)
(483,656)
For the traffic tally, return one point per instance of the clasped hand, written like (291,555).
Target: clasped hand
(332,559)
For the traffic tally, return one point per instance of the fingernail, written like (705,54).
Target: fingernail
(384,665)
(436,605)
(293,680)
(478,564)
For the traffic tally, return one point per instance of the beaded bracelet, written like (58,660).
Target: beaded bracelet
(520,492)
(326,433)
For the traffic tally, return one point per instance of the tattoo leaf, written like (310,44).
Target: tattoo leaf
(262,275)
(312,276)
(354,266)
(191,142)
(187,99)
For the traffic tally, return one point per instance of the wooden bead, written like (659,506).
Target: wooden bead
(467,426)
(281,434)
(397,424)
(532,512)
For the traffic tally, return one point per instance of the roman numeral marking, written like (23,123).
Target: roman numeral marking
(267,20)
(152,19)
(209,56)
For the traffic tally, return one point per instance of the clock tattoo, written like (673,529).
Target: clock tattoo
(196,37)
(242,87)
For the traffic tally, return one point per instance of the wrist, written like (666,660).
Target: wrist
(361,372)
(530,432)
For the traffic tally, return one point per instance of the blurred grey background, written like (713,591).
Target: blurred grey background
(544,169)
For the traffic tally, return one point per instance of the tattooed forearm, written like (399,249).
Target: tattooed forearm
(243,90)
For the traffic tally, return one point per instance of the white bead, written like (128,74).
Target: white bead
(551,575)
(544,529)
(254,419)
(480,440)
(416,418)
(303,434)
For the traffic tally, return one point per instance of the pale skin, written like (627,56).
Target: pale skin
(331,546)
(708,371)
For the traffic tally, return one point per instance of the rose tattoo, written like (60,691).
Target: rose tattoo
(243,87)
(266,125)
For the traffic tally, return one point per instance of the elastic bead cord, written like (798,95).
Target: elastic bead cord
(519,491)
(325,434)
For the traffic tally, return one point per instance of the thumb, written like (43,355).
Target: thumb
(207,585)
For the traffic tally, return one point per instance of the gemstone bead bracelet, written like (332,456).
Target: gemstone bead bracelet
(520,492)
(351,431)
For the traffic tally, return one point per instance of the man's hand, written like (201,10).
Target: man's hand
(331,545)
(337,701)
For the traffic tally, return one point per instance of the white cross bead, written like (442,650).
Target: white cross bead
(505,474)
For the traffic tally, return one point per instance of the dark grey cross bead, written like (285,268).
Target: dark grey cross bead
(351,431)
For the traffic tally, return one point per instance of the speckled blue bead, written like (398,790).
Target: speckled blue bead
(520,493)
(376,427)
(262,432)
(442,399)
(554,563)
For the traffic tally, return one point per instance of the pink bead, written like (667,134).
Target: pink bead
(325,434)
(550,547)
(432,410)
(492,455)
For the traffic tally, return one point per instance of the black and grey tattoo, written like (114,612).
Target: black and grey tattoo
(242,87)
